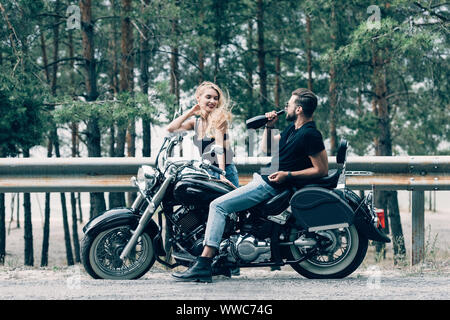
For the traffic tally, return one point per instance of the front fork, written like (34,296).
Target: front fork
(148,213)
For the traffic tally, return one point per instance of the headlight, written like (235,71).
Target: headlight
(146,176)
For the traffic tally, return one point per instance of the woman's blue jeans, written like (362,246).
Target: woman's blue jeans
(237,200)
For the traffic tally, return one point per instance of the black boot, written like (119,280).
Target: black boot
(200,271)
(221,271)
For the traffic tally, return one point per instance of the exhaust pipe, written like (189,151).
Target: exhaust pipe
(305,242)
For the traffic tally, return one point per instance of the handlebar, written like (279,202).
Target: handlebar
(173,139)
(217,169)
(212,167)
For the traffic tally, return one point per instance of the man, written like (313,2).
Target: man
(301,155)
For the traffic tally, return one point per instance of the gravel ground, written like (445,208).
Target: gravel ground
(372,281)
(256,284)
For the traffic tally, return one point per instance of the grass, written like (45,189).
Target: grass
(436,259)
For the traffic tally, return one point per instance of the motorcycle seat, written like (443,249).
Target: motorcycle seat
(275,205)
(329,182)
(280,202)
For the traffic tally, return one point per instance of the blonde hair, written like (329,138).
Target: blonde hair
(219,118)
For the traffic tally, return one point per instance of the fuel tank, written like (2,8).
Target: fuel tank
(199,190)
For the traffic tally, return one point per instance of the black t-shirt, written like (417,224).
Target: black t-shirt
(204,145)
(295,147)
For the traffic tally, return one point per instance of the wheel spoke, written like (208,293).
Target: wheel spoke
(335,252)
(109,248)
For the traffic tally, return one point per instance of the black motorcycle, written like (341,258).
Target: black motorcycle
(320,229)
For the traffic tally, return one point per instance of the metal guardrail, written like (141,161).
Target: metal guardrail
(113,174)
(414,173)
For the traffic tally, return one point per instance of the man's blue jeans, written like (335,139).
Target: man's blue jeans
(237,200)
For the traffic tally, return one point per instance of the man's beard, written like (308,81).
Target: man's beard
(291,117)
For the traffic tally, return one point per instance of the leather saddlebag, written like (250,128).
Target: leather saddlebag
(315,209)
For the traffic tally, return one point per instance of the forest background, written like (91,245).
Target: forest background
(106,72)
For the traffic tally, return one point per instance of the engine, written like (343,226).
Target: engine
(190,228)
(188,220)
(247,248)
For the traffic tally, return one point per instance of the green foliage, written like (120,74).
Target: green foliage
(23,118)
(120,111)
(411,40)
(410,57)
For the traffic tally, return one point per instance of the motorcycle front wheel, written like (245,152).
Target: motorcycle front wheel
(100,254)
(341,255)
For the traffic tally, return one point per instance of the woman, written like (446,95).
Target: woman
(211,126)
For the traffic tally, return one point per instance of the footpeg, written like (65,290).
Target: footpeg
(282,217)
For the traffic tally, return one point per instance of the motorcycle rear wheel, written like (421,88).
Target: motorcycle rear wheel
(101,254)
(338,260)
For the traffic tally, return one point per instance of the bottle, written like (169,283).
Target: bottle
(258,121)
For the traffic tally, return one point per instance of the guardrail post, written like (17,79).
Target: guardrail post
(418,227)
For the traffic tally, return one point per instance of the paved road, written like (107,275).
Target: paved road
(255,284)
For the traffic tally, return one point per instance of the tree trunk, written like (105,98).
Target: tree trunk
(74,149)
(250,110)
(125,73)
(398,240)
(87,28)
(126,69)
(115,199)
(201,64)
(74,132)
(332,90)
(69,253)
(2,229)
(174,69)
(114,81)
(97,199)
(44,55)
(332,96)
(126,76)
(71,63)
(249,68)
(46,230)
(201,47)
(308,52)
(73,202)
(277,81)
(17,212)
(261,54)
(55,49)
(218,7)
(28,227)
(383,147)
(144,61)
(378,107)
(80,213)
(76,241)
(54,133)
